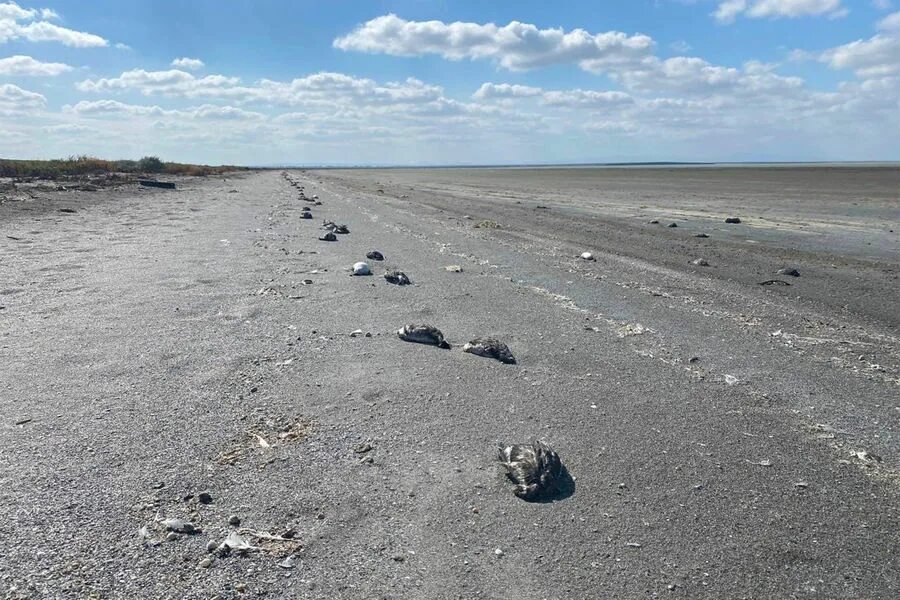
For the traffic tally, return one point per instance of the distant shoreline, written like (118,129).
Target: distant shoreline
(615,165)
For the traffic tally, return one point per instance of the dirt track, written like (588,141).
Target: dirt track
(151,339)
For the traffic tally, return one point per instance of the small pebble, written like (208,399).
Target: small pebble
(498,552)
(234,520)
(206,562)
(211,546)
(240,587)
(205,498)
(172,536)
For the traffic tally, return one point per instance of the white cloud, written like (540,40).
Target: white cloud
(172,82)
(873,58)
(729,10)
(188,63)
(206,112)
(14,100)
(505,90)
(67,129)
(327,89)
(890,23)
(586,98)
(516,46)
(26,65)
(26,24)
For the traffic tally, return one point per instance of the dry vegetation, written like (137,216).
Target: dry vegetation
(77,166)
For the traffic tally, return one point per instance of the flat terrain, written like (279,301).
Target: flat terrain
(727,439)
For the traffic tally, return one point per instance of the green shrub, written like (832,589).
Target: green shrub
(151,164)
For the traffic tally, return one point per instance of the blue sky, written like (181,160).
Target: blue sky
(461,82)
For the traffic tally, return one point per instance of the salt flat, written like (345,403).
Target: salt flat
(727,439)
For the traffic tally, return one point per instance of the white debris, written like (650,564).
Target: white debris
(587,256)
(731,379)
(632,329)
(361,268)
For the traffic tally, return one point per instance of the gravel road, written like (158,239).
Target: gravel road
(726,439)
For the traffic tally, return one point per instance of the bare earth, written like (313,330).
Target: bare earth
(727,439)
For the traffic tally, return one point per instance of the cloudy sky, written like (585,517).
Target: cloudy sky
(451,82)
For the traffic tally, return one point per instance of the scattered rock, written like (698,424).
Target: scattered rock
(587,256)
(700,262)
(234,520)
(363,448)
(789,271)
(211,545)
(733,220)
(206,562)
(701,235)
(288,563)
(673,225)
(356,333)
(67,210)
(328,236)
(205,498)
(773,282)
(654,222)
(453,268)
(374,255)
(172,536)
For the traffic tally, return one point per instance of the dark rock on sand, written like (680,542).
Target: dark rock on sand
(374,255)
(789,271)
(733,220)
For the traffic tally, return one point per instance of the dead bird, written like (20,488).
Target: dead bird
(334,227)
(374,255)
(490,348)
(397,278)
(423,334)
(328,237)
(535,468)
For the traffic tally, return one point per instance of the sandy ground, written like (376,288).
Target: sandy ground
(727,439)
